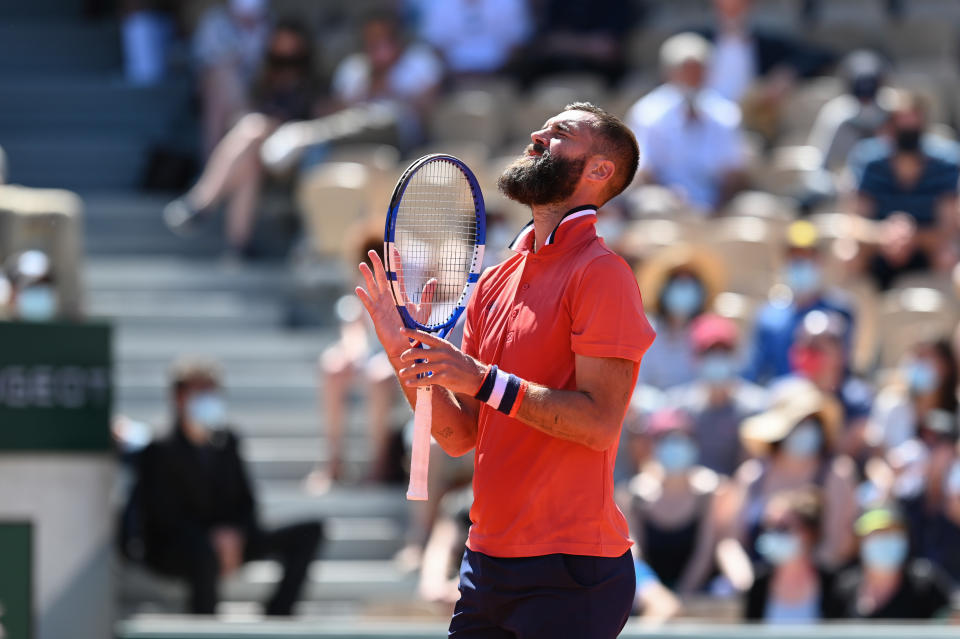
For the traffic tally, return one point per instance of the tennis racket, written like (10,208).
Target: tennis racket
(433,251)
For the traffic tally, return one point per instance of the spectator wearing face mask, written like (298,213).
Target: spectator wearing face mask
(912,192)
(678,284)
(197,507)
(776,323)
(671,505)
(789,585)
(927,382)
(689,135)
(33,296)
(819,354)
(888,584)
(719,399)
(790,444)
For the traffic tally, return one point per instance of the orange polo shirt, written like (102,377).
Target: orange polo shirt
(535,494)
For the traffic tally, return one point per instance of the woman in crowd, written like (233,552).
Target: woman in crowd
(671,505)
(284,91)
(789,445)
(679,284)
(789,586)
(927,383)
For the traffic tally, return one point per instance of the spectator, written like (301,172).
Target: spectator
(33,296)
(689,135)
(475,37)
(573,36)
(789,587)
(228,46)
(356,356)
(777,321)
(719,399)
(845,121)
(820,354)
(944,536)
(381,93)
(671,505)
(284,91)
(855,115)
(887,584)
(198,509)
(927,383)
(757,68)
(148,31)
(913,193)
(790,443)
(679,284)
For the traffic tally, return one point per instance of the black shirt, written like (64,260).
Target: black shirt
(922,594)
(188,489)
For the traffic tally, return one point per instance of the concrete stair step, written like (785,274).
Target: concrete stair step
(168,309)
(59,47)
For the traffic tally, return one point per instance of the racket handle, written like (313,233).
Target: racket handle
(420,454)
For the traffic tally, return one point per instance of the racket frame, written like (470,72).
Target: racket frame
(389,236)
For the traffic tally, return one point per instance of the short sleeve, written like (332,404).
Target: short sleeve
(872,182)
(607,312)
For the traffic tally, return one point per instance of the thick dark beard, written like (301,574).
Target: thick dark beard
(541,179)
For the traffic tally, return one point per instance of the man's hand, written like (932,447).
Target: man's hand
(380,305)
(450,367)
(228,544)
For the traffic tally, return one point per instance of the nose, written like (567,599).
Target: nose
(538,137)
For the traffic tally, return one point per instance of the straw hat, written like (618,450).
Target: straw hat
(699,260)
(794,400)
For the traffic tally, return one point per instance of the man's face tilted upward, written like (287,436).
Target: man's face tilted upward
(551,166)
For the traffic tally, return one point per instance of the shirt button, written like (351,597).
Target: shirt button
(514,313)
(525,286)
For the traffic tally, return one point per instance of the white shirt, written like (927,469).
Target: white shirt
(688,155)
(892,421)
(732,67)
(417,71)
(475,35)
(220,40)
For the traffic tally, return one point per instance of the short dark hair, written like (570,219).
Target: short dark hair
(188,371)
(616,141)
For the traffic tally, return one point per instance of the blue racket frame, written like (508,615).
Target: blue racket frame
(389,235)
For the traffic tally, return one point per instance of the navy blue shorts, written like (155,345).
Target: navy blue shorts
(552,596)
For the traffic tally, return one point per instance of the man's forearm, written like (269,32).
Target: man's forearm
(572,415)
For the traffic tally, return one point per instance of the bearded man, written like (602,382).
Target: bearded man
(552,345)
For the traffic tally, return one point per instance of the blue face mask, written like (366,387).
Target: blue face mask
(778,547)
(37,303)
(717,368)
(208,410)
(805,439)
(676,453)
(884,551)
(802,276)
(921,376)
(683,297)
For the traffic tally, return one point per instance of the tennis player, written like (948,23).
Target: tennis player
(551,348)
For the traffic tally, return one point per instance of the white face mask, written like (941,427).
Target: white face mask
(208,409)
(37,303)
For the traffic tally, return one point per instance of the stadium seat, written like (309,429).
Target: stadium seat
(747,245)
(907,315)
(332,197)
(470,115)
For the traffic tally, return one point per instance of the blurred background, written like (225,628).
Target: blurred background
(197,427)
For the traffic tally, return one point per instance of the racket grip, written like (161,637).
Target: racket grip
(420,454)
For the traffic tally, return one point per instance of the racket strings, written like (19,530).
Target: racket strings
(436,232)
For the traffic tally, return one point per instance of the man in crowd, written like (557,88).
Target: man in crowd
(197,506)
(689,136)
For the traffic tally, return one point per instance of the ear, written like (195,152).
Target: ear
(600,170)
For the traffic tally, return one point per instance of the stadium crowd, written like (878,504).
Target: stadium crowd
(792,442)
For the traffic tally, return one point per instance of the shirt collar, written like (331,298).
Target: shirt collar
(574,222)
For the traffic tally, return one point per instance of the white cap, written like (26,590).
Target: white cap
(684,47)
